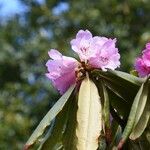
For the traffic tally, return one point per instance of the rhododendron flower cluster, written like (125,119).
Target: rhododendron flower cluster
(94,51)
(142,64)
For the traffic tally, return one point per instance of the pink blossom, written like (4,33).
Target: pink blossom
(142,64)
(107,57)
(61,70)
(99,52)
(96,52)
(82,45)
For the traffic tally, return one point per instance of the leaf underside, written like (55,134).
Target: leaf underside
(89,116)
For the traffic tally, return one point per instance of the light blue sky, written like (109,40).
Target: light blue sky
(62,7)
(8,8)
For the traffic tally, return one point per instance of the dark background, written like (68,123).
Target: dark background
(38,25)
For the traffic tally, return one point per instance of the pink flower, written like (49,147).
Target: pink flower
(107,56)
(82,45)
(99,52)
(61,70)
(142,64)
(95,52)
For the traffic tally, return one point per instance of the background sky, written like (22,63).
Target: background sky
(9,8)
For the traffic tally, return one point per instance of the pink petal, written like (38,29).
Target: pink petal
(141,68)
(107,56)
(81,44)
(61,70)
(148,46)
(142,64)
(54,54)
(64,81)
(84,34)
(99,40)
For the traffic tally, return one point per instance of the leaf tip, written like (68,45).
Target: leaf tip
(121,143)
(26,147)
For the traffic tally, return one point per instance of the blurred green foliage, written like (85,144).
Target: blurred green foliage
(25,92)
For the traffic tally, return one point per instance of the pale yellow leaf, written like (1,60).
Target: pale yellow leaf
(89,116)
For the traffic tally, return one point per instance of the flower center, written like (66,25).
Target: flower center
(83,49)
(104,60)
(81,70)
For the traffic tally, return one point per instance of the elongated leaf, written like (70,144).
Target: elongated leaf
(128,77)
(142,102)
(142,121)
(106,109)
(131,118)
(141,125)
(49,117)
(147,133)
(117,90)
(69,138)
(118,76)
(132,145)
(106,114)
(120,106)
(123,84)
(53,139)
(139,144)
(143,142)
(119,96)
(116,134)
(89,116)
(102,143)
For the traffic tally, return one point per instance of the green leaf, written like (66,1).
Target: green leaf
(128,77)
(106,114)
(131,118)
(58,106)
(132,145)
(63,132)
(117,90)
(143,115)
(53,138)
(118,95)
(147,133)
(116,134)
(119,104)
(122,84)
(141,125)
(119,76)
(142,103)
(102,143)
(140,144)
(134,73)
(106,109)
(69,138)
(144,142)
